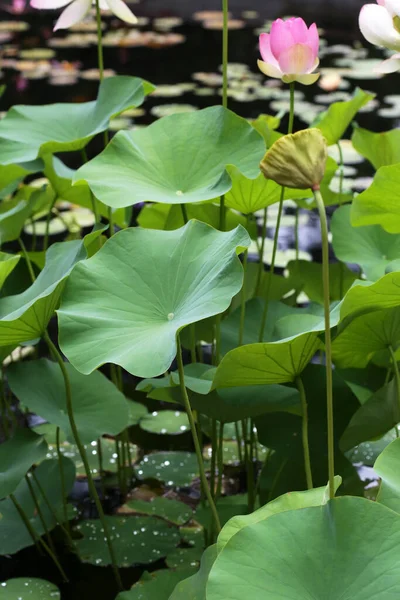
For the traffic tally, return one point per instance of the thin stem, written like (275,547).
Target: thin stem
(220,460)
(328,342)
(304,432)
(27,259)
(39,512)
(51,509)
(296,233)
(100,457)
(222,214)
(214,447)
(225,34)
(197,447)
(82,452)
(184,213)
(272,267)
(250,470)
(48,219)
(261,262)
(278,224)
(243,294)
(110,221)
(62,480)
(341,176)
(239,441)
(396,372)
(36,538)
(4,408)
(34,237)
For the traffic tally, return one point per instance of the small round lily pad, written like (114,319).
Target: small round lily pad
(165,422)
(137,540)
(171,510)
(28,588)
(174,468)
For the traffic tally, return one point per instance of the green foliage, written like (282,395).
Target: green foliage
(381,149)
(26,448)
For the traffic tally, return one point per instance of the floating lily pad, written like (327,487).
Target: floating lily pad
(136,166)
(165,422)
(27,588)
(174,468)
(27,131)
(184,557)
(163,293)
(194,587)
(137,540)
(168,509)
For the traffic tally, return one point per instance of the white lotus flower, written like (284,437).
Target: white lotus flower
(380,25)
(77,10)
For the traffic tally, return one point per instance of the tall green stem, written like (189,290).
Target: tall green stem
(220,460)
(82,452)
(278,224)
(196,442)
(35,537)
(62,480)
(225,34)
(100,59)
(328,341)
(296,233)
(27,259)
(341,177)
(214,450)
(39,512)
(261,262)
(396,373)
(243,294)
(304,432)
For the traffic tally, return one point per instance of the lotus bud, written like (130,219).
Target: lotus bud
(297,160)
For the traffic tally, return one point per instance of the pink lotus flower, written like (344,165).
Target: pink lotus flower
(380,25)
(78,9)
(290,51)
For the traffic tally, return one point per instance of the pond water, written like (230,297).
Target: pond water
(179,51)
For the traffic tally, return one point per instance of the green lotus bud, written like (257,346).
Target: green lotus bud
(297,160)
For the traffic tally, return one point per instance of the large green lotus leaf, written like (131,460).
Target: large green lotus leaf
(371,247)
(169,216)
(16,173)
(380,203)
(344,550)
(13,219)
(25,316)
(27,131)
(99,407)
(138,540)
(124,311)
(157,585)
(387,467)
(24,587)
(281,432)
(265,363)
(180,158)
(307,276)
(227,405)
(366,335)
(303,320)
(17,455)
(253,317)
(291,501)
(13,533)
(334,122)
(194,587)
(8,262)
(374,418)
(365,297)
(381,149)
(250,195)
(61,178)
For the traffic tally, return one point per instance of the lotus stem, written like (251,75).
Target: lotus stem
(304,432)
(193,429)
(328,341)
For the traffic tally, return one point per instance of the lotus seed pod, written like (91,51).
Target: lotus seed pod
(297,160)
